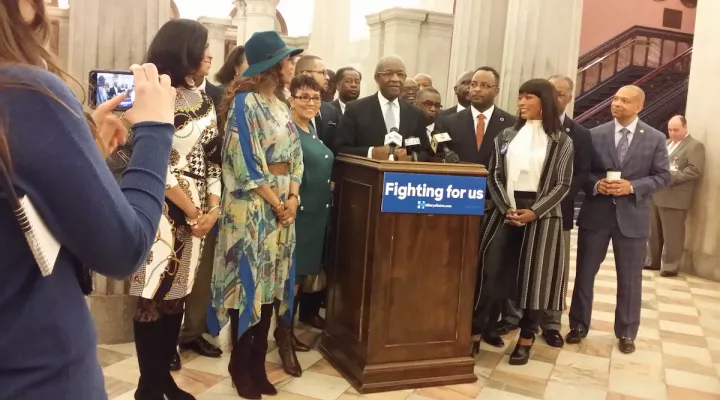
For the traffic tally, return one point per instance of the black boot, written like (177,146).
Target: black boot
(171,330)
(239,366)
(259,352)
(148,344)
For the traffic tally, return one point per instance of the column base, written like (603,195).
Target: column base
(113,316)
(701,265)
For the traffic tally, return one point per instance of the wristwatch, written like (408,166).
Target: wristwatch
(632,189)
(297,196)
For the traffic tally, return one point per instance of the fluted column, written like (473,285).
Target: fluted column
(702,244)
(375,52)
(120,40)
(240,21)
(259,16)
(542,38)
(478,38)
(217,30)
(330,36)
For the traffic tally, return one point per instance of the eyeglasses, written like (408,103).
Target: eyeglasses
(306,98)
(319,72)
(389,74)
(431,104)
(483,86)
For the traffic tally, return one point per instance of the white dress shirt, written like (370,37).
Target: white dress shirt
(673,145)
(487,113)
(384,104)
(525,158)
(562,119)
(342,106)
(631,128)
(430,128)
(459,108)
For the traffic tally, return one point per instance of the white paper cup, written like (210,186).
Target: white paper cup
(613,175)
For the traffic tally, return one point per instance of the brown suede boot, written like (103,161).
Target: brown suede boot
(283,337)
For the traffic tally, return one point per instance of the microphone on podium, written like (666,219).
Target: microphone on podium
(441,140)
(412,144)
(393,140)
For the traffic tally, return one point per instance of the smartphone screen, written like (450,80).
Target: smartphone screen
(104,85)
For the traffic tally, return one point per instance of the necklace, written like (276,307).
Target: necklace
(193,119)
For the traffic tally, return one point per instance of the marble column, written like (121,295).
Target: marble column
(375,52)
(121,40)
(434,49)
(402,35)
(240,21)
(478,38)
(330,36)
(217,30)
(542,38)
(702,243)
(260,15)
(61,18)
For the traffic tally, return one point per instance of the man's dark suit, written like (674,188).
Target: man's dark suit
(336,103)
(582,157)
(623,219)
(446,113)
(215,93)
(461,128)
(363,126)
(326,124)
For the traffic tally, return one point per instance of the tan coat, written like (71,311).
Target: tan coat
(689,157)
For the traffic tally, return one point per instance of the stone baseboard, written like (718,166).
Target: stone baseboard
(113,316)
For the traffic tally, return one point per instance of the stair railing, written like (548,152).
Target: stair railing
(660,110)
(680,63)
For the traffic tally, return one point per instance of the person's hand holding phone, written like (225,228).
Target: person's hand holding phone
(111,131)
(154,96)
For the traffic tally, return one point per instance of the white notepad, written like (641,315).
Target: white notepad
(42,243)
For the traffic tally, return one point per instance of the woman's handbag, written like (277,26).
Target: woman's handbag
(314,283)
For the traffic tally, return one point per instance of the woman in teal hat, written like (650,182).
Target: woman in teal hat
(262,172)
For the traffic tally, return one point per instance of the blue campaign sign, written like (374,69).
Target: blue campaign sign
(433,194)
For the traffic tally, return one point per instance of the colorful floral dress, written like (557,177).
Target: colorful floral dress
(254,257)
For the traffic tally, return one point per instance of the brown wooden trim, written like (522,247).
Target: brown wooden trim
(415,167)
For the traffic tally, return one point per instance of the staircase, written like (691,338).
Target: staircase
(622,60)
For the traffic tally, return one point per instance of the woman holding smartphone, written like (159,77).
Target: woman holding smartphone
(192,206)
(48,339)
(522,247)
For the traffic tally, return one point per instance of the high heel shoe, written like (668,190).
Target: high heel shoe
(474,348)
(521,354)
(493,339)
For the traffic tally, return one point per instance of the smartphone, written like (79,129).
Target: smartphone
(105,84)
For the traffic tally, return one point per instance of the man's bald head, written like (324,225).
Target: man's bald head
(423,80)
(390,76)
(627,104)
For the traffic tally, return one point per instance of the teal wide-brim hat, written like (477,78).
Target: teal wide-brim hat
(265,49)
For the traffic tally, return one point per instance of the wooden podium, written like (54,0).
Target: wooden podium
(400,286)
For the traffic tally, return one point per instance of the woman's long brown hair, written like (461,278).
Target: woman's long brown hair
(241,84)
(24,43)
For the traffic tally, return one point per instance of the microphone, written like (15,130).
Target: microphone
(440,140)
(412,144)
(393,140)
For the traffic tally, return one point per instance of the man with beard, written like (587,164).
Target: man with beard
(348,87)
(474,129)
(462,92)
(327,119)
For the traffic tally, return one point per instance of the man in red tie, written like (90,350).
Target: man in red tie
(474,129)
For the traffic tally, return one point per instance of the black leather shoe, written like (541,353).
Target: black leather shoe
(202,347)
(575,336)
(521,354)
(493,339)
(553,338)
(175,363)
(505,327)
(651,268)
(668,274)
(626,345)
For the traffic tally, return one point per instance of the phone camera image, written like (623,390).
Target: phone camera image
(111,84)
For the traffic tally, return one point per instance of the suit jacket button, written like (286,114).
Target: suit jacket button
(327,205)
(313,136)
(302,208)
(326,156)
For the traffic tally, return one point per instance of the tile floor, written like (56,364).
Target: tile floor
(678,358)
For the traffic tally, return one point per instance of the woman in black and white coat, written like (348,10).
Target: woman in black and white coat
(522,247)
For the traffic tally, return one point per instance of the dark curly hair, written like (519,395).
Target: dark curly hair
(178,49)
(304,81)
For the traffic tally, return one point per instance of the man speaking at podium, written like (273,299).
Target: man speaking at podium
(374,125)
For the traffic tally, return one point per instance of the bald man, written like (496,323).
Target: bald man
(366,121)
(629,165)
(410,90)
(462,92)
(424,81)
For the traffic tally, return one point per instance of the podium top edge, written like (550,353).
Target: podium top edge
(415,167)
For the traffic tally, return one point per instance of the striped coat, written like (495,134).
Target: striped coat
(541,270)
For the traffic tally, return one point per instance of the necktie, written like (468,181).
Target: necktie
(390,117)
(623,145)
(480,130)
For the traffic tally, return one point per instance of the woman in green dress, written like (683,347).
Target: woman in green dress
(262,172)
(315,193)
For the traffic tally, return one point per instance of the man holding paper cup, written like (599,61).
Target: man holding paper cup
(630,163)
